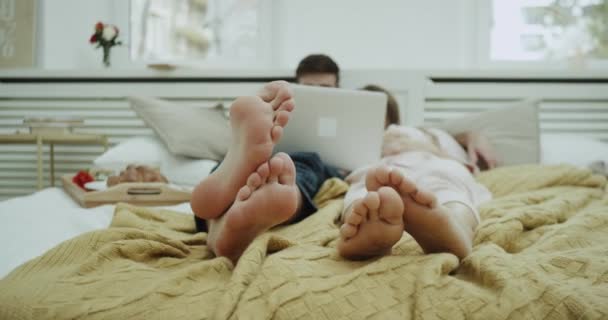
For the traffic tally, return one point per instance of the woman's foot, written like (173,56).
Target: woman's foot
(437,228)
(372,225)
(257,125)
(269,198)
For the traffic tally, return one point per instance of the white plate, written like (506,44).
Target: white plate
(96,185)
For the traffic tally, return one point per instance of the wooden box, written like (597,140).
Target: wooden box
(138,193)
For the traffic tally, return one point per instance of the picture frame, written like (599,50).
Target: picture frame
(17,33)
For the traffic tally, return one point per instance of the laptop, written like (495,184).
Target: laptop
(345,127)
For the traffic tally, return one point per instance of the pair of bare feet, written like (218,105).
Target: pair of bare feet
(253,191)
(393,204)
(250,192)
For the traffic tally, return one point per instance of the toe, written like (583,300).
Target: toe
(263,171)
(353,218)
(391,206)
(267,92)
(372,201)
(244,193)
(272,90)
(395,177)
(254,181)
(281,118)
(360,209)
(276,167)
(425,198)
(406,186)
(283,94)
(288,174)
(287,105)
(276,133)
(401,183)
(377,177)
(348,230)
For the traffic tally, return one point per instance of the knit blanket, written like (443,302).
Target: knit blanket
(540,253)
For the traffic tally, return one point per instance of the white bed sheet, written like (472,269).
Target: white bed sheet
(31,225)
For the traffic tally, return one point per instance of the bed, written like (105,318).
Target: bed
(540,250)
(539,253)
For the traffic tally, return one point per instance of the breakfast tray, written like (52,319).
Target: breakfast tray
(136,193)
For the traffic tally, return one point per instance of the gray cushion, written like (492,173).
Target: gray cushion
(193,131)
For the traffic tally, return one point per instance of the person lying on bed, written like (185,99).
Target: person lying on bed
(311,171)
(250,192)
(232,203)
(423,185)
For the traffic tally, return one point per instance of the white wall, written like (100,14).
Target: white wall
(378,34)
(65,26)
(358,34)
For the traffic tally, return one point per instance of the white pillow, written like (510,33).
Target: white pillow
(186,130)
(139,150)
(186,171)
(513,130)
(574,150)
(151,151)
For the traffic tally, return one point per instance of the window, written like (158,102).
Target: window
(213,32)
(548,31)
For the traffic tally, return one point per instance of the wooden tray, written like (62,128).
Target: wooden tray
(138,193)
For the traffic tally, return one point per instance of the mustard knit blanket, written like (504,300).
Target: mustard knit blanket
(541,252)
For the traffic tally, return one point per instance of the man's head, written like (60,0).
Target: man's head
(392,107)
(318,70)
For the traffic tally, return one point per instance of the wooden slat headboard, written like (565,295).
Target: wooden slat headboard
(568,106)
(105,111)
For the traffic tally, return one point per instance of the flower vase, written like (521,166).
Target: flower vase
(106,55)
(105,37)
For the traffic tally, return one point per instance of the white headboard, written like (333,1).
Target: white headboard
(100,101)
(570,104)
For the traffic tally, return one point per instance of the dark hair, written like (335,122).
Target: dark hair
(318,63)
(392,107)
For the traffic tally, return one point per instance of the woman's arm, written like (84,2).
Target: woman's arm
(478,148)
(395,143)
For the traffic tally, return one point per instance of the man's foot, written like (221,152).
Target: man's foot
(437,228)
(372,225)
(257,125)
(269,198)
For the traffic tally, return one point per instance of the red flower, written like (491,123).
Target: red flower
(93,38)
(82,177)
(99,27)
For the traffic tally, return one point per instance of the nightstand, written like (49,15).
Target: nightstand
(51,139)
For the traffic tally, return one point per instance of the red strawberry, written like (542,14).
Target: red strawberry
(82,177)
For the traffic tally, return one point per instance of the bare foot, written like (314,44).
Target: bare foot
(269,198)
(257,125)
(372,225)
(437,228)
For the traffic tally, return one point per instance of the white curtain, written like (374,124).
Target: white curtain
(194,29)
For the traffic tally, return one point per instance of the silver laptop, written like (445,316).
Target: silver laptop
(345,127)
